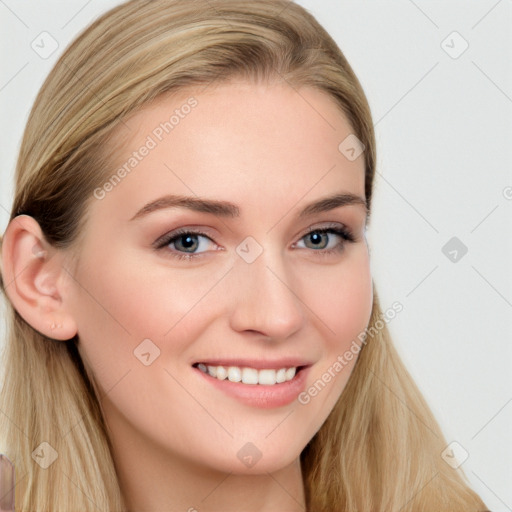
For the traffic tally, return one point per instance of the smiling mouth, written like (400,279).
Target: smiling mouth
(250,376)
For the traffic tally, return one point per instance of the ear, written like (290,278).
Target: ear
(34,279)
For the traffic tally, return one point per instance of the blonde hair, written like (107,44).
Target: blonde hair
(380,448)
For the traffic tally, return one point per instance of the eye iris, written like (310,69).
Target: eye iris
(316,237)
(189,239)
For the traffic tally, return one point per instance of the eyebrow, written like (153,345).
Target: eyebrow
(227,209)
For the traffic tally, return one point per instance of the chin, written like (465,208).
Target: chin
(248,458)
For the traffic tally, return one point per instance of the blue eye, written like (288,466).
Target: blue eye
(183,239)
(320,240)
(187,244)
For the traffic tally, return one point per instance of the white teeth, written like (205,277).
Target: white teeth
(281,375)
(249,376)
(266,377)
(290,373)
(234,374)
(222,373)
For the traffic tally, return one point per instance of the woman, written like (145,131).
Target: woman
(193,322)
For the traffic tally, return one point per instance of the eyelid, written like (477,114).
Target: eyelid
(325,225)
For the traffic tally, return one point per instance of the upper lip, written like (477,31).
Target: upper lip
(258,364)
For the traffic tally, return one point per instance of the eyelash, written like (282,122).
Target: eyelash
(344,233)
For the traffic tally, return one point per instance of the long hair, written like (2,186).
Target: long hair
(380,448)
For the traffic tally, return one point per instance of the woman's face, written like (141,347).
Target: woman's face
(245,287)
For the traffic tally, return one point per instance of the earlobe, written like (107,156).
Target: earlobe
(34,277)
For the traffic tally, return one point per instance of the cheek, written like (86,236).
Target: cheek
(123,303)
(128,313)
(343,305)
(341,297)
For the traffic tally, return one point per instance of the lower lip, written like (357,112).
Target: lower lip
(258,395)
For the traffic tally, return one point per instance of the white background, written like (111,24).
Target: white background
(444,144)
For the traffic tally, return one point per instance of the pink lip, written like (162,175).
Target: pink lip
(257,364)
(258,395)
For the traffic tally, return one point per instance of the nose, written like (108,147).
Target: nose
(266,298)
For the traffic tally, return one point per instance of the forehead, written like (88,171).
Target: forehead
(256,142)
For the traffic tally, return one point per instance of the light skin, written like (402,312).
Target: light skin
(271,151)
